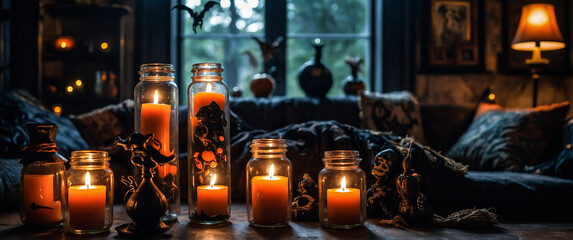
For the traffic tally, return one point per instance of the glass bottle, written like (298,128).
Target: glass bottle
(342,190)
(209,146)
(156,112)
(269,183)
(42,178)
(88,208)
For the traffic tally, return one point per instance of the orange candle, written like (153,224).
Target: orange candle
(212,199)
(343,205)
(155,119)
(40,207)
(202,99)
(86,205)
(269,196)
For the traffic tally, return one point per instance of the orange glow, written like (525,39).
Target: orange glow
(491,96)
(64,43)
(104,46)
(69,89)
(538,29)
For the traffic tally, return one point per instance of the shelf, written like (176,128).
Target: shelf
(83,10)
(79,56)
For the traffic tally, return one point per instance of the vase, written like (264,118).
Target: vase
(352,83)
(314,77)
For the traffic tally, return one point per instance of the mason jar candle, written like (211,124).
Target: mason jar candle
(88,208)
(269,180)
(156,112)
(42,178)
(342,190)
(209,145)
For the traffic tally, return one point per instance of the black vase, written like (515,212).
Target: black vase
(353,84)
(314,77)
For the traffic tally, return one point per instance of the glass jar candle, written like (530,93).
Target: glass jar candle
(156,112)
(209,147)
(89,193)
(342,190)
(269,180)
(42,178)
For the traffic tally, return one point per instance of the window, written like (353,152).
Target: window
(342,25)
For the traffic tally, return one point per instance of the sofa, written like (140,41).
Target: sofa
(311,126)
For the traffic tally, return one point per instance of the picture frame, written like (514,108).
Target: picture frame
(451,39)
(512,61)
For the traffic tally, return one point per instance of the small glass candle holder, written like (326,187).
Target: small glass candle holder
(269,180)
(156,112)
(88,208)
(42,178)
(209,146)
(342,190)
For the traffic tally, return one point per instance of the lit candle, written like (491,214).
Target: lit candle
(155,119)
(86,205)
(269,196)
(212,199)
(202,99)
(343,205)
(40,207)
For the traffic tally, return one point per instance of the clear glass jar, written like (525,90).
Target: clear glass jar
(269,184)
(88,208)
(157,112)
(42,178)
(342,190)
(209,146)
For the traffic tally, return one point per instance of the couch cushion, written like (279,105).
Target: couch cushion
(444,124)
(16,110)
(397,112)
(100,126)
(276,112)
(509,139)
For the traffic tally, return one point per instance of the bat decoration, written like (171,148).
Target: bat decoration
(197,16)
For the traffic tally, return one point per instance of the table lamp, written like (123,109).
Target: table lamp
(537,31)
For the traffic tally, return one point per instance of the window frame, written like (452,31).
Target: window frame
(279,20)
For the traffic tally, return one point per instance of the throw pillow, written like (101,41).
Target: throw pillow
(509,139)
(397,112)
(100,126)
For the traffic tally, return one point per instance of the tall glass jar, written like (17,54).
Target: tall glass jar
(156,112)
(88,208)
(342,190)
(42,178)
(209,146)
(269,182)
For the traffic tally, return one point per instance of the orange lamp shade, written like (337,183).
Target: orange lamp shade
(64,43)
(538,25)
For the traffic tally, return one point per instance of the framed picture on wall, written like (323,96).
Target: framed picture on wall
(451,38)
(513,61)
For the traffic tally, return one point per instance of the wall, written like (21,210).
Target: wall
(511,90)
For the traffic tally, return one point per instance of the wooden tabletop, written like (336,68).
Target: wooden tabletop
(238,228)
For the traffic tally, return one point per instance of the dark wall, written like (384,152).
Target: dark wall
(24,45)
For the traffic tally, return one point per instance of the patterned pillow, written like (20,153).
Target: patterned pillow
(397,112)
(509,139)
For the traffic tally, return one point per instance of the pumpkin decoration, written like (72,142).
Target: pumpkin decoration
(262,83)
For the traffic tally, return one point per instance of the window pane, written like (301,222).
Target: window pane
(330,16)
(238,16)
(333,53)
(231,52)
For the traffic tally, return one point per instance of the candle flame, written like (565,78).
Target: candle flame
(88,180)
(155,97)
(343,184)
(209,87)
(272,171)
(213,181)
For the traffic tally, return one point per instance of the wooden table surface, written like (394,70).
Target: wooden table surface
(238,228)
